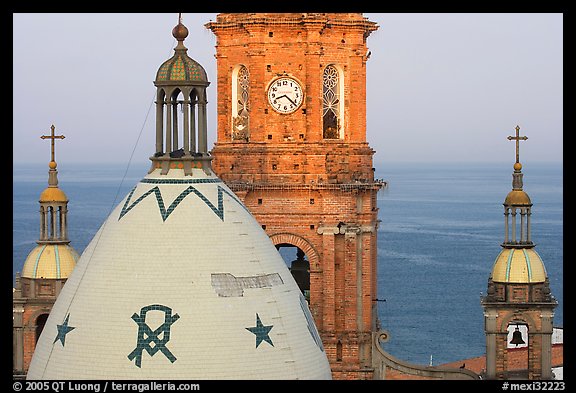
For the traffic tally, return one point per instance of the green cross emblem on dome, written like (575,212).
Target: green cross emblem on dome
(149,339)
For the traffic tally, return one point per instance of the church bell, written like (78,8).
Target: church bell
(517,337)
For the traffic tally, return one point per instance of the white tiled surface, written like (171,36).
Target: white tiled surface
(141,260)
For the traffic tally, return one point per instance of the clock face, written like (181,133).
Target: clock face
(285,95)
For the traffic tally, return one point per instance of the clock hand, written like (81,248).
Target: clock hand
(293,103)
(277,98)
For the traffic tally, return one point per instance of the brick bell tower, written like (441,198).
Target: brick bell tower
(518,293)
(292,144)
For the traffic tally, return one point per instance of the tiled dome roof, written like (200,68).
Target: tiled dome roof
(52,261)
(180,282)
(518,265)
(181,68)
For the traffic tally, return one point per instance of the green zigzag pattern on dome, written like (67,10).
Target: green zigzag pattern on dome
(165,213)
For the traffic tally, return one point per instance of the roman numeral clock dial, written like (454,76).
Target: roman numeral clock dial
(285,95)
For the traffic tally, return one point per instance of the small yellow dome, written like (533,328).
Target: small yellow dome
(517,197)
(517,166)
(53,194)
(518,265)
(52,165)
(54,261)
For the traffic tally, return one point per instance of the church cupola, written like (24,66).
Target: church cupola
(181,127)
(45,271)
(518,262)
(518,293)
(53,258)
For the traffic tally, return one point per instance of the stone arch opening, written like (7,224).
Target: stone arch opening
(517,354)
(301,258)
(40,323)
(517,357)
(299,266)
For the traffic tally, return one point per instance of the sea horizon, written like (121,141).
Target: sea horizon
(440,231)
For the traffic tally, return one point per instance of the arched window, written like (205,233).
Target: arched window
(240,103)
(299,267)
(332,104)
(40,322)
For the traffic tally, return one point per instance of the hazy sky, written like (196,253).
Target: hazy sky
(441,87)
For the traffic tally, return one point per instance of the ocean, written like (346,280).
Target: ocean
(441,229)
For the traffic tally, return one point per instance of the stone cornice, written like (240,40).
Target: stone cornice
(308,20)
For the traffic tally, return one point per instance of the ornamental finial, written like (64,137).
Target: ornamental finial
(180,32)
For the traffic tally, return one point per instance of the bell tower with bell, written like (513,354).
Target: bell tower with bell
(292,145)
(519,307)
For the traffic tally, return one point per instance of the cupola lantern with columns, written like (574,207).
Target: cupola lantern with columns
(181,135)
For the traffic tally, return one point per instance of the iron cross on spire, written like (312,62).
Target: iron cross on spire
(53,138)
(517,138)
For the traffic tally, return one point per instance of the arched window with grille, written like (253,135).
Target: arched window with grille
(240,103)
(332,103)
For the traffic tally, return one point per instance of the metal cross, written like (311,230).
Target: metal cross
(517,138)
(53,137)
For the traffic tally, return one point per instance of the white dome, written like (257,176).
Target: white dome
(180,282)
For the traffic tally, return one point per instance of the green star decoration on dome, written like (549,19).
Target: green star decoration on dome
(262,332)
(63,330)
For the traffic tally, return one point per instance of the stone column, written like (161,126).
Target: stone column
(506,229)
(18,339)
(58,284)
(329,323)
(546,338)
(159,119)
(491,350)
(32,286)
(202,132)
(43,223)
(59,222)
(63,223)
(514,225)
(317,295)
(193,148)
(528,234)
(186,136)
(168,127)
(174,124)
(522,213)
(352,292)
(53,222)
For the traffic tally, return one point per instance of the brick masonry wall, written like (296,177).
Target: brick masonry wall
(29,317)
